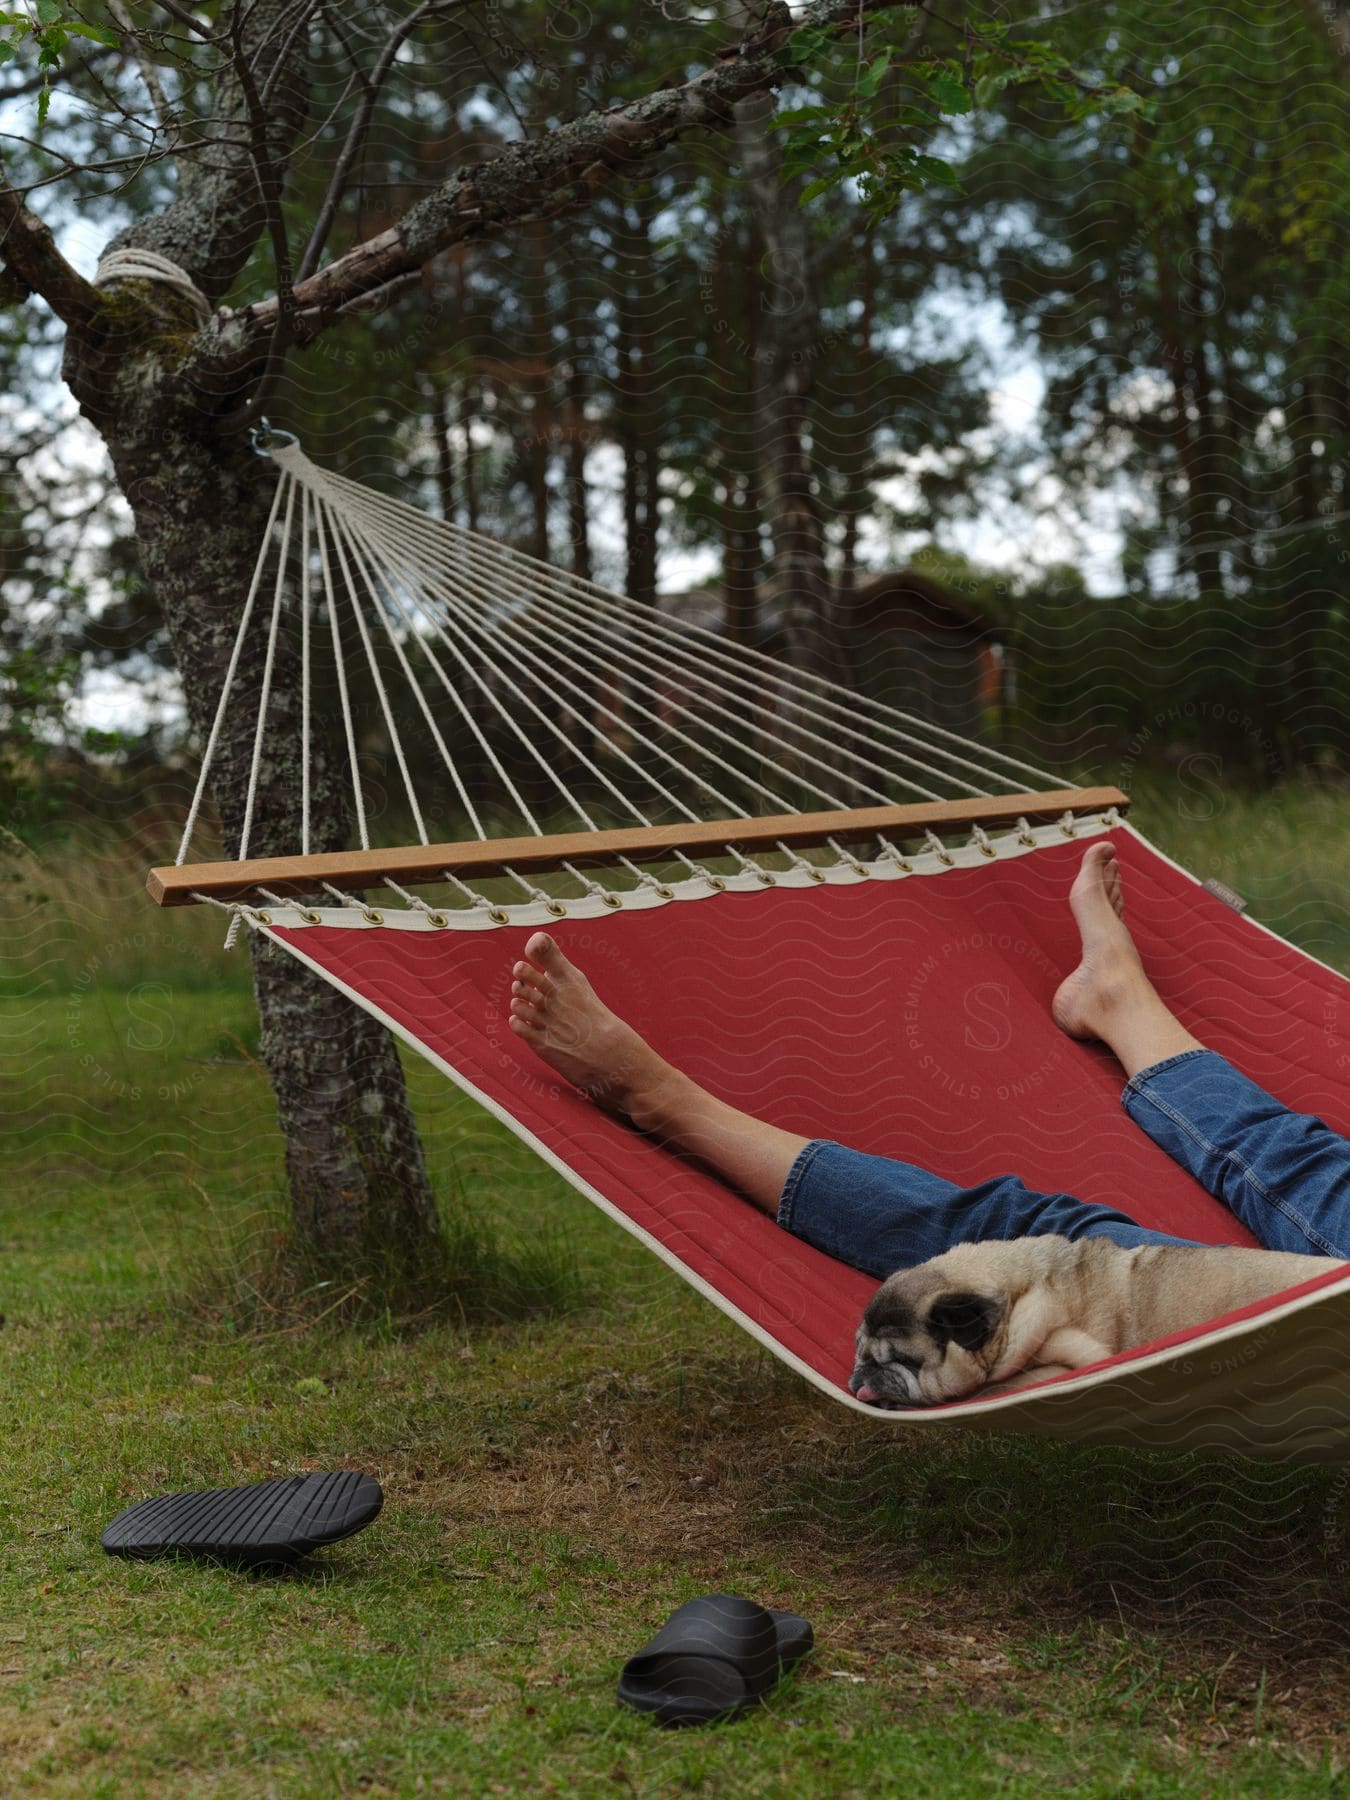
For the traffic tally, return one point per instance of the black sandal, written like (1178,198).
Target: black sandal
(715,1657)
(270,1522)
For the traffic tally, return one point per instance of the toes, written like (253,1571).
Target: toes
(541,950)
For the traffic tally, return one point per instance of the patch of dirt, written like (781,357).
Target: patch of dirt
(922,1565)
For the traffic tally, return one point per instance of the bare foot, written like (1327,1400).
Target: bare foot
(563,1020)
(1110,972)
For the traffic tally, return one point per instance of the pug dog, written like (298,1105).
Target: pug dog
(996,1316)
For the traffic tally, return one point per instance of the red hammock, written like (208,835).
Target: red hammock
(911,1018)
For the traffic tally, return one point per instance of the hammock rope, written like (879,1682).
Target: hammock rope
(646,662)
(469,607)
(436,536)
(425,588)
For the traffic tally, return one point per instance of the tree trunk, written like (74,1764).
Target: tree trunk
(539,389)
(1184,353)
(790,331)
(578,496)
(734,350)
(856,465)
(467,413)
(639,431)
(445,455)
(358,1181)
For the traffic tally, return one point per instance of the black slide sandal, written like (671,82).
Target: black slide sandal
(713,1658)
(267,1523)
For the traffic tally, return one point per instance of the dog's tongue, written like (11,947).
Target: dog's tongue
(866,1393)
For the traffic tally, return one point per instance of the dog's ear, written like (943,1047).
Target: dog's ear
(967,1318)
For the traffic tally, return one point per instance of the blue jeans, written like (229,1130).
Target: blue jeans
(1285,1175)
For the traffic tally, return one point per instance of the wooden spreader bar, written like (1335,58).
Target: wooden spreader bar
(175,886)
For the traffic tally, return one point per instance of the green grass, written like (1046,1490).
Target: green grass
(994,1616)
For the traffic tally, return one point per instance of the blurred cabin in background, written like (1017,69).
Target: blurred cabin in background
(917,646)
(908,640)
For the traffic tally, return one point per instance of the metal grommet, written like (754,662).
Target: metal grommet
(371,917)
(857,869)
(262,918)
(555,907)
(310,918)
(435,918)
(988,850)
(498,917)
(767,877)
(1068,830)
(611,900)
(1025,837)
(716,881)
(666,893)
(816,874)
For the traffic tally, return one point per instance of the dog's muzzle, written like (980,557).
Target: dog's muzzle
(884,1385)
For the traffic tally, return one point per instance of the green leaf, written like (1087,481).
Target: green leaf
(989,87)
(44,102)
(801,158)
(934,169)
(917,116)
(803,46)
(800,115)
(1120,101)
(870,79)
(949,92)
(99,33)
(48,12)
(821,185)
(7,50)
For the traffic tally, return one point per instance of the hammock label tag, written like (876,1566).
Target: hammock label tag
(1222,891)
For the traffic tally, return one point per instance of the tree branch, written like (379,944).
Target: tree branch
(539,178)
(359,129)
(29,252)
(269,177)
(186,20)
(211,226)
(164,113)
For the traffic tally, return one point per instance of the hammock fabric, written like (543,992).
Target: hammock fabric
(879,1014)
(898,1003)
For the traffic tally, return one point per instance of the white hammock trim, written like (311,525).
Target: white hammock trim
(489,915)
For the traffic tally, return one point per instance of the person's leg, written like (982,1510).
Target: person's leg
(878,1213)
(881,1214)
(558,1013)
(1109,996)
(1285,1175)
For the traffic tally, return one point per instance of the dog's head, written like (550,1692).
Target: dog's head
(925,1339)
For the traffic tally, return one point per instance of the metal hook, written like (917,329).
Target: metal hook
(266,437)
